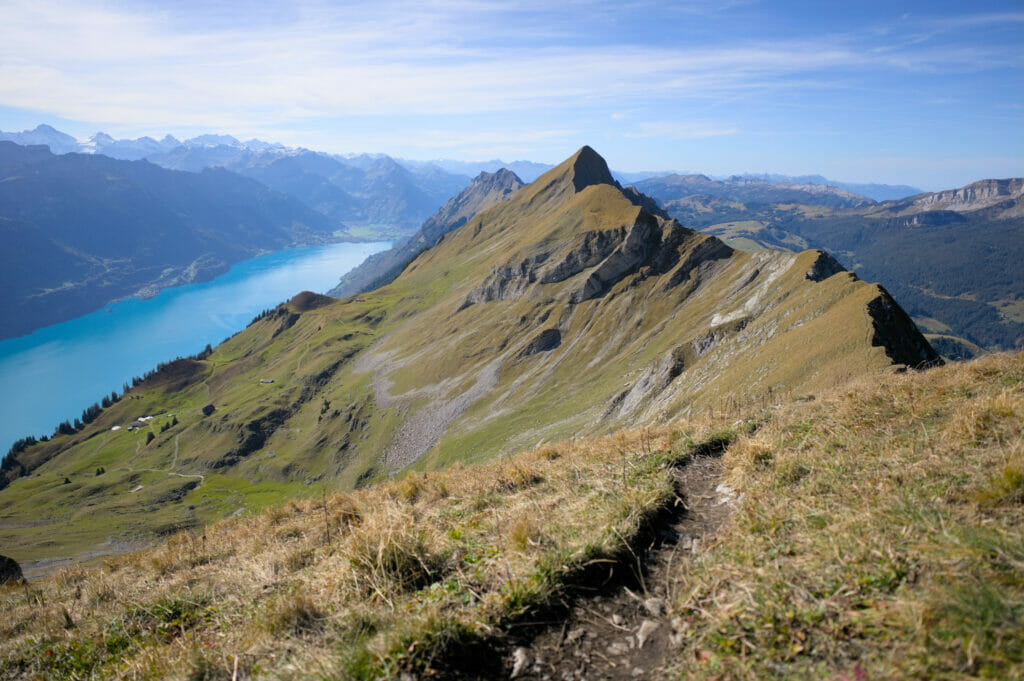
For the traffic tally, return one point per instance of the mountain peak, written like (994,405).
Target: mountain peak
(589,168)
(500,178)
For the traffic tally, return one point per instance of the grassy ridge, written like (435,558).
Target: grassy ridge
(877,534)
(881,535)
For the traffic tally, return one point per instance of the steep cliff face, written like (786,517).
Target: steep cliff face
(1003,197)
(973,196)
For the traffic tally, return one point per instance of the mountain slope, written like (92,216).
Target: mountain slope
(486,190)
(81,230)
(849,547)
(568,309)
(951,257)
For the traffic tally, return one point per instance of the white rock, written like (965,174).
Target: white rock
(520,661)
(647,627)
(654,606)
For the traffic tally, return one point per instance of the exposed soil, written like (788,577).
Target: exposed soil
(618,628)
(418,433)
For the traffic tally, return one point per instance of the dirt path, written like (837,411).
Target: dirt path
(617,630)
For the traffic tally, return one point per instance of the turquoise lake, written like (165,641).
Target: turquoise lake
(56,372)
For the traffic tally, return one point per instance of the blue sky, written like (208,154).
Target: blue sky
(923,93)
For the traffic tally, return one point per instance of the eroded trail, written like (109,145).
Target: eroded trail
(617,627)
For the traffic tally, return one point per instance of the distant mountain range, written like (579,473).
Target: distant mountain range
(874,191)
(81,230)
(750,190)
(146,147)
(367,196)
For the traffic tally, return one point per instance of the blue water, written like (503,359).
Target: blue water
(56,372)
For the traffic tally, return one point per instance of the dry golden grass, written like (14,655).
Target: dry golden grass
(363,585)
(880,535)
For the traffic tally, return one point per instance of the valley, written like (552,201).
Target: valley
(52,374)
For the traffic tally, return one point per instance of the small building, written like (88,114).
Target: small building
(266,380)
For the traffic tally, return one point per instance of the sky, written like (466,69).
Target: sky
(929,94)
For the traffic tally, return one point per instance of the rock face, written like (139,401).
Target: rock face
(972,197)
(824,267)
(895,332)
(486,190)
(998,199)
(10,572)
(608,254)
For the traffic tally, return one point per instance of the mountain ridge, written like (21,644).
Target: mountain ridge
(949,256)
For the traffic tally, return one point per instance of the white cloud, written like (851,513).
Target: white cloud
(147,69)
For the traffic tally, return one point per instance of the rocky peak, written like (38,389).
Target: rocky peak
(589,168)
(502,179)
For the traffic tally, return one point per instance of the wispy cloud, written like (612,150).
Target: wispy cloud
(145,68)
(481,78)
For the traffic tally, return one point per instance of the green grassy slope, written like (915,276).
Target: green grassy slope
(956,267)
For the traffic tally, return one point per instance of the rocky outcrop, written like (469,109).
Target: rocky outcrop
(10,572)
(971,197)
(1000,199)
(545,341)
(253,436)
(638,245)
(894,331)
(823,267)
(608,254)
